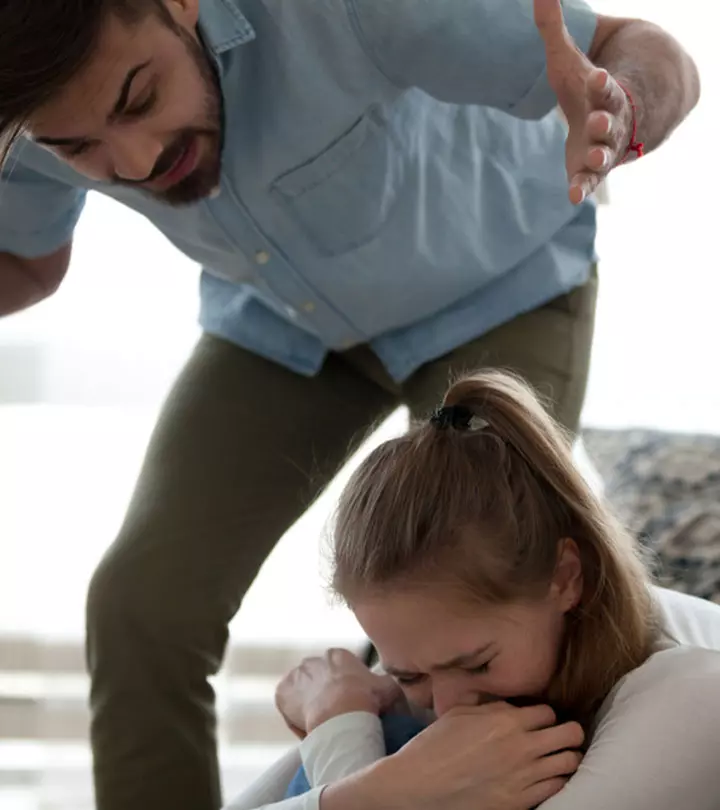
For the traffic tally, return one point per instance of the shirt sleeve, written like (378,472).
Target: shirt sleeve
(653,751)
(308,801)
(336,749)
(37,213)
(485,52)
(267,792)
(341,747)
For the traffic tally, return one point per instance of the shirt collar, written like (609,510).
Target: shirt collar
(223,25)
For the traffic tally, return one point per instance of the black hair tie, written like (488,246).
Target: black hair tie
(458,417)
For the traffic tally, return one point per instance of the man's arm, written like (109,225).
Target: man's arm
(476,52)
(25,282)
(489,52)
(659,74)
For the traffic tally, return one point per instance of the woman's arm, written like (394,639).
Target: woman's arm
(342,747)
(494,756)
(336,749)
(268,790)
(657,748)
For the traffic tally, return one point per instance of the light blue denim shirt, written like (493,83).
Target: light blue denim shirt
(393,175)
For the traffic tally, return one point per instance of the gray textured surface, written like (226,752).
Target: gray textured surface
(666,488)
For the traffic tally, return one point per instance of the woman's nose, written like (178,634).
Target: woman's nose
(450,694)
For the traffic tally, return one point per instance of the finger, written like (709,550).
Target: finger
(601,127)
(341,657)
(583,184)
(599,158)
(557,738)
(551,24)
(564,763)
(533,718)
(309,662)
(604,93)
(540,792)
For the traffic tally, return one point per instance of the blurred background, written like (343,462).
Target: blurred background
(82,377)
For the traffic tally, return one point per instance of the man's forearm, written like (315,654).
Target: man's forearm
(18,288)
(659,74)
(25,282)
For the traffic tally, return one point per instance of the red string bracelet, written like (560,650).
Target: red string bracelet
(634,146)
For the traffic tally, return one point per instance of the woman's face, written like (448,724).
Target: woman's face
(446,651)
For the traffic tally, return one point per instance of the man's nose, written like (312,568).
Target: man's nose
(134,157)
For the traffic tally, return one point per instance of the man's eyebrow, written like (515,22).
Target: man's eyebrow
(458,661)
(124,94)
(120,105)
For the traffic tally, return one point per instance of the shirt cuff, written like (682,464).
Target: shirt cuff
(342,746)
(311,800)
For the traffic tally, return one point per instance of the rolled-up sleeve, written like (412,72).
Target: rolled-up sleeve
(485,52)
(38,214)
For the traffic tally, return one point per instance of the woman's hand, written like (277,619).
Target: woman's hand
(336,683)
(494,757)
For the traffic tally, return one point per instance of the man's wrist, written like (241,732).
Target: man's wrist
(629,119)
(635,146)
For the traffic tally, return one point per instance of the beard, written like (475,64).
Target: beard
(205,177)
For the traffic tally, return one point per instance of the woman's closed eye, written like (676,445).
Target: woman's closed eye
(416,678)
(410,680)
(478,670)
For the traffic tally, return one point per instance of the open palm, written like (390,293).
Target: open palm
(596,107)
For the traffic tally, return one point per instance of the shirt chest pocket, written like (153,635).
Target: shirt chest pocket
(345,196)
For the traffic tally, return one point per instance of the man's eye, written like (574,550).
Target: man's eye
(142,107)
(75,151)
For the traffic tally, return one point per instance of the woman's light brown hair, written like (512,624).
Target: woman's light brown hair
(484,509)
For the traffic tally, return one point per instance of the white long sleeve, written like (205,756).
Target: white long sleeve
(338,748)
(341,747)
(656,746)
(267,791)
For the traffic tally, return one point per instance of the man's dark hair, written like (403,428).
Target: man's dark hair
(44,44)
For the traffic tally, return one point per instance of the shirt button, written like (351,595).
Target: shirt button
(262,257)
(309,306)
(290,312)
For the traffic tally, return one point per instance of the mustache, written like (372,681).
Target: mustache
(169,157)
